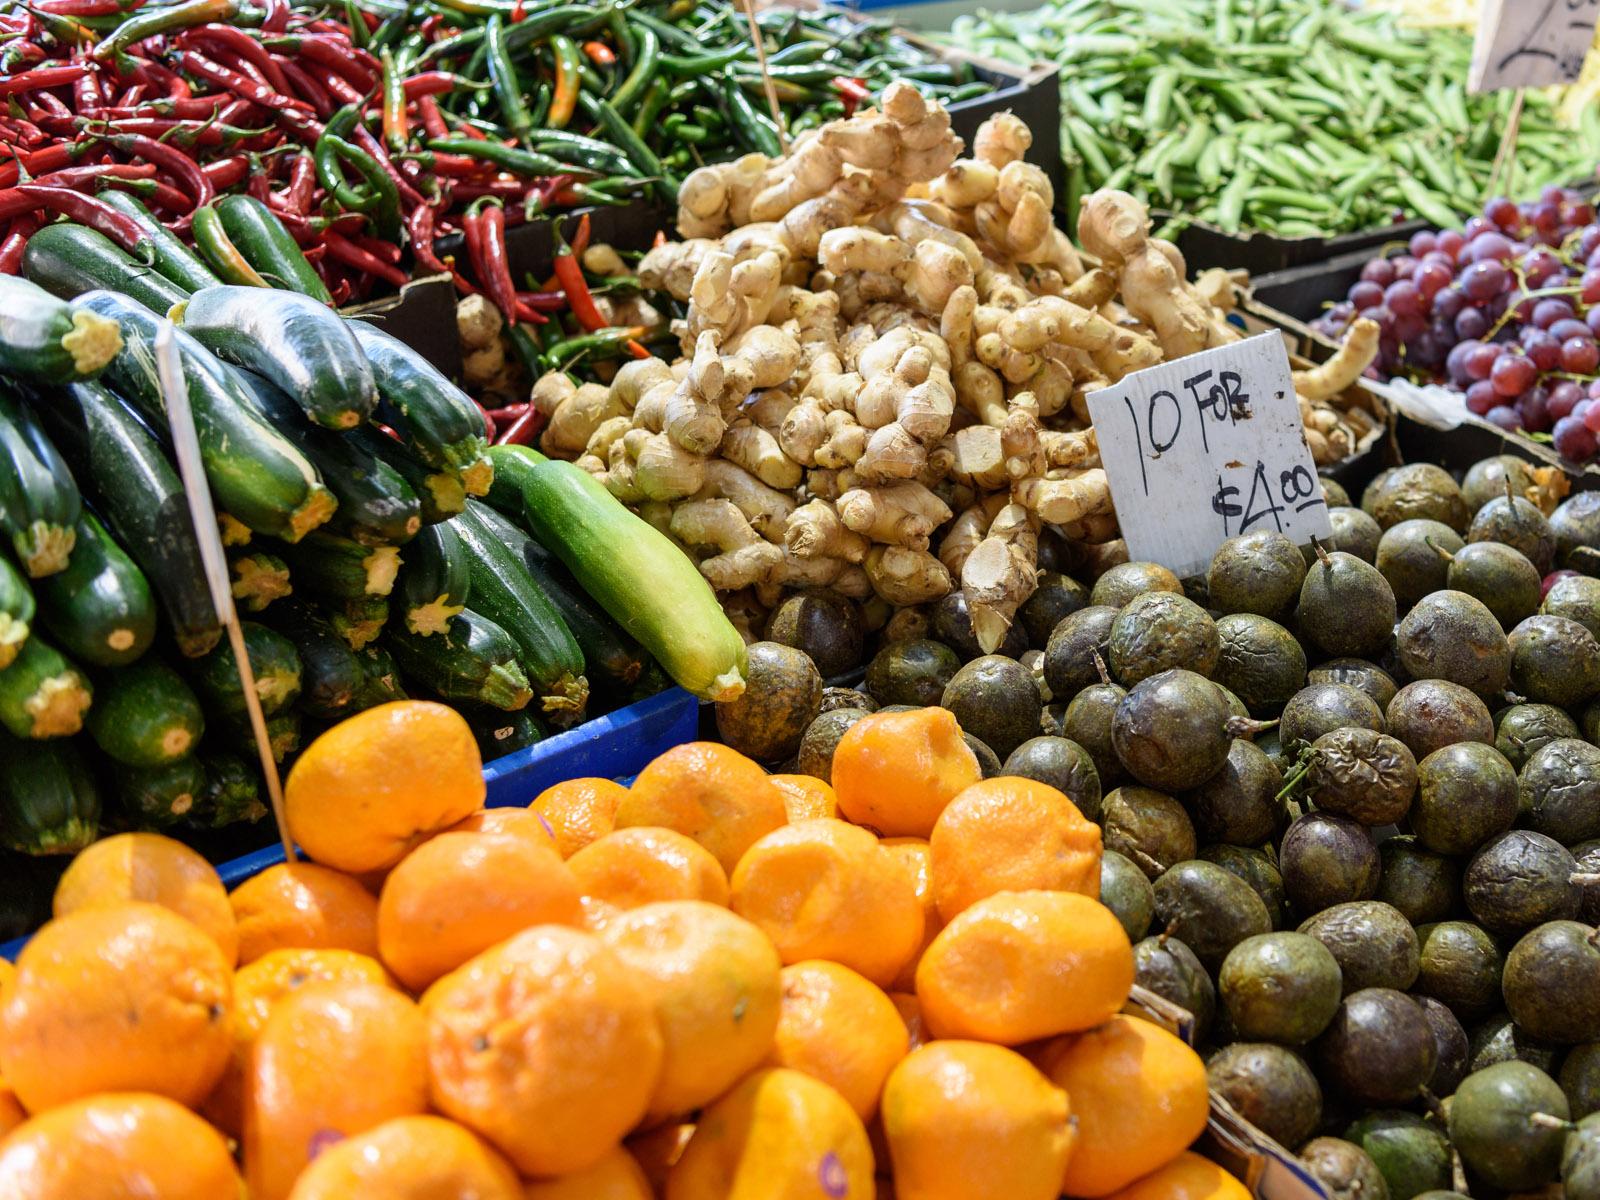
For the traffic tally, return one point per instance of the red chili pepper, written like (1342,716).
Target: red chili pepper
(130,96)
(518,11)
(852,91)
(38,162)
(177,133)
(497,262)
(369,142)
(419,229)
(522,429)
(22,228)
(237,42)
(429,83)
(509,413)
(569,271)
(340,88)
(430,25)
(225,173)
(637,349)
(336,53)
(277,18)
(192,108)
(23,134)
(85,210)
(171,160)
(472,237)
(432,118)
(343,250)
(295,114)
(42,78)
(156,75)
(86,177)
(545,301)
(497,189)
(600,54)
(87,97)
(302,85)
(340,289)
(377,247)
(158,193)
(302,183)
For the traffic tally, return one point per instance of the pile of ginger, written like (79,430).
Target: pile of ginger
(885,359)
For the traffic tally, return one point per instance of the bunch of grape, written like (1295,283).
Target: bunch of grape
(1506,311)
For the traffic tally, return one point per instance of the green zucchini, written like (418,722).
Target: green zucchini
(67,260)
(16,612)
(330,673)
(382,678)
(50,340)
(474,659)
(512,467)
(256,474)
(500,733)
(39,500)
(433,584)
(361,620)
(283,734)
(376,505)
(258,578)
(100,608)
(440,492)
(648,585)
(302,346)
(341,568)
(174,260)
(48,800)
(274,662)
(42,695)
(503,591)
(232,792)
(143,503)
(436,418)
(160,797)
(146,715)
(607,651)
(263,240)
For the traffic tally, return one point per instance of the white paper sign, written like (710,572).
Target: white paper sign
(1531,43)
(1205,448)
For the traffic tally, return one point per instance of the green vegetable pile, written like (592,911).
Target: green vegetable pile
(1302,119)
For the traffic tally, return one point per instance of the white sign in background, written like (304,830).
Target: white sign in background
(1531,43)
(1205,448)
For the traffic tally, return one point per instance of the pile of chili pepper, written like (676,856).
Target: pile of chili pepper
(393,137)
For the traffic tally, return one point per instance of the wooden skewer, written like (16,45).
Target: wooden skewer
(766,75)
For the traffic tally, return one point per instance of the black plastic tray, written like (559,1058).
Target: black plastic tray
(1304,292)
(1205,246)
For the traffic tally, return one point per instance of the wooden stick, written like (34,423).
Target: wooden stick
(169,370)
(766,74)
(1506,157)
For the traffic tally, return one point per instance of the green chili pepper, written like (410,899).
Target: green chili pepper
(631,144)
(752,130)
(632,89)
(569,73)
(655,99)
(164,20)
(225,258)
(517,161)
(507,87)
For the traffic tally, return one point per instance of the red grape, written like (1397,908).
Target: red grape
(1430,279)
(1514,374)
(1379,271)
(1505,417)
(1580,355)
(1407,326)
(1365,294)
(1570,327)
(1564,397)
(1423,242)
(1590,283)
(1547,216)
(1541,347)
(1540,265)
(1484,280)
(1471,323)
(1548,311)
(1555,577)
(1591,415)
(1481,360)
(1491,245)
(1574,440)
(1503,213)
(1481,397)
(1475,226)
(1452,241)
(1532,410)
(1403,298)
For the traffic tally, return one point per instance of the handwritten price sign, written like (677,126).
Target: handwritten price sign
(1531,43)
(1206,448)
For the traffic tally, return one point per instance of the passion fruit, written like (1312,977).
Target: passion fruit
(825,627)
(1346,606)
(1171,731)
(1489,479)
(1259,870)
(1466,794)
(1359,674)
(1087,721)
(1280,987)
(1451,1049)
(1259,661)
(1414,556)
(1328,860)
(1056,598)
(1521,879)
(1580,1079)
(782,698)
(1239,804)
(1554,660)
(1433,713)
(1412,1153)
(1157,632)
(1460,966)
(1209,908)
(1333,492)
(1127,581)
(1580,1161)
(1378,1049)
(1417,490)
(1559,791)
(1421,885)
(843,697)
(1500,1039)
(911,672)
(1516,522)
(1257,572)
(1149,827)
(1576,525)
(1074,657)
(1373,943)
(815,756)
(1358,773)
(1344,1169)
(995,699)
(1063,765)
(1270,1086)
(1451,635)
(1552,983)
(1502,578)
(1354,532)
(1523,729)
(1577,597)
(1126,891)
(1508,1123)
(1320,708)
(1166,966)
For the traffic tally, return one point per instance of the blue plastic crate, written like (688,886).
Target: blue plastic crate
(615,746)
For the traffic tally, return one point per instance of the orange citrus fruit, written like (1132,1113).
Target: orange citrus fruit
(657,1151)
(1011,835)
(806,796)
(1187,1177)
(457,894)
(257,988)
(381,782)
(301,906)
(916,859)
(547,1045)
(895,772)
(710,792)
(156,870)
(838,1027)
(826,889)
(970,1119)
(409,1158)
(777,1134)
(117,1146)
(643,864)
(8,972)
(507,819)
(910,1010)
(617,1176)
(578,811)
(713,978)
(131,998)
(335,1059)
(1017,966)
(12,1113)
(1141,1098)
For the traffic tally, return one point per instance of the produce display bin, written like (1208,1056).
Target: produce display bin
(423,316)
(617,745)
(1304,292)
(1205,246)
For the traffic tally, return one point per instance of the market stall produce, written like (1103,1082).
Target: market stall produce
(1301,119)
